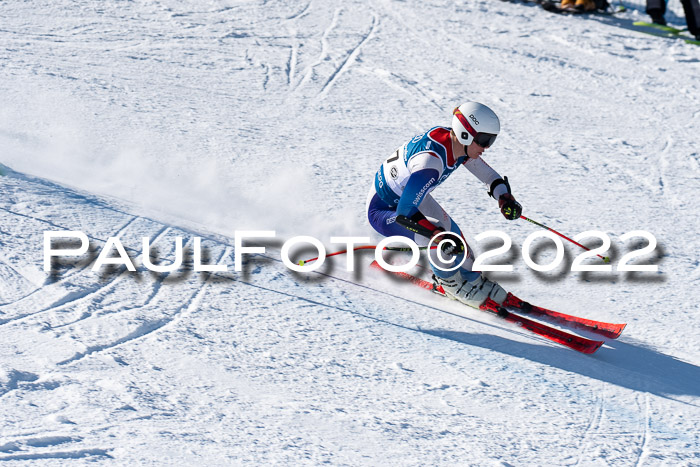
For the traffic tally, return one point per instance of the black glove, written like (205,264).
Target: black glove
(452,244)
(510,208)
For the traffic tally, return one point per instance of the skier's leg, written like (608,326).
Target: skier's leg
(463,284)
(692,16)
(440,263)
(382,217)
(656,9)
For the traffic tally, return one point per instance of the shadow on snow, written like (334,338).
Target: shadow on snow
(627,364)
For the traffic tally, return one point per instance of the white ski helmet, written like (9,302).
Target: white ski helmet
(473,120)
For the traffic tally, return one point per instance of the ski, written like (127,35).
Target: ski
(660,27)
(666,32)
(609,330)
(578,343)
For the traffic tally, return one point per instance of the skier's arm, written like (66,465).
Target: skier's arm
(481,170)
(418,186)
(499,188)
(408,216)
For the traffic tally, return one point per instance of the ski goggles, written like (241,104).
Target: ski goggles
(484,140)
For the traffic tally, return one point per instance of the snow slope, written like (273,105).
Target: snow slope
(195,119)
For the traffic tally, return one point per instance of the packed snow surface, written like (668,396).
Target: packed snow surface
(194,119)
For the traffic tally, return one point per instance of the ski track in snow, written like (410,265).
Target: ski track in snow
(149,327)
(646,437)
(592,430)
(135,120)
(345,63)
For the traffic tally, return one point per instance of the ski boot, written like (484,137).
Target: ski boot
(472,293)
(657,16)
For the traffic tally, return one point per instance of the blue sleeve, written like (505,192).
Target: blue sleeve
(416,189)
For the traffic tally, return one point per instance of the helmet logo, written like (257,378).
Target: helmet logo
(394,172)
(476,122)
(465,135)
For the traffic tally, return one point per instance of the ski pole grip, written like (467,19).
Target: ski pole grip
(414,226)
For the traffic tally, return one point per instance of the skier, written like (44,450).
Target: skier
(399,200)
(656,9)
(580,5)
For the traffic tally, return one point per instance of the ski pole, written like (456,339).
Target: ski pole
(364,247)
(606,259)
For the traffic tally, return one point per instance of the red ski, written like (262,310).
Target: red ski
(609,330)
(578,343)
